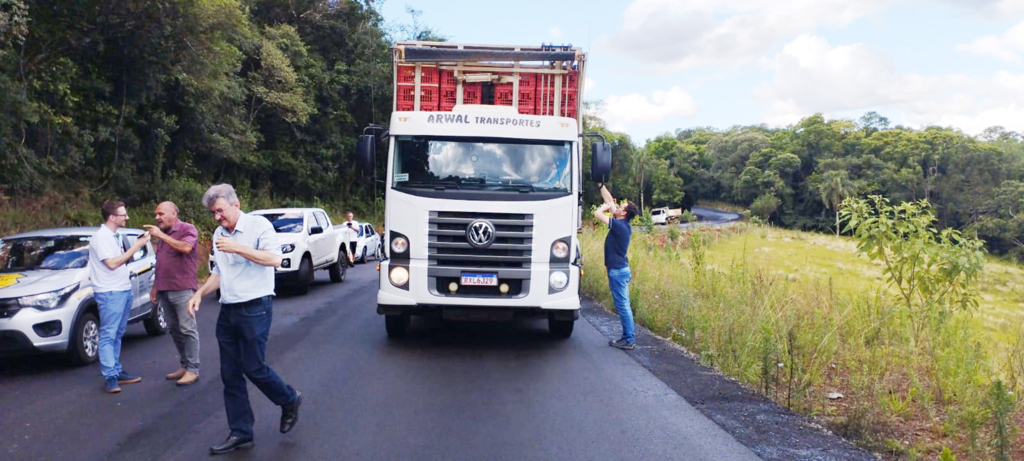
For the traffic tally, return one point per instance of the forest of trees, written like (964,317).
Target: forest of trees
(148,99)
(155,99)
(797,176)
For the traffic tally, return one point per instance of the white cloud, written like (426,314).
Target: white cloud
(621,111)
(1007,47)
(812,76)
(588,85)
(555,32)
(995,9)
(678,35)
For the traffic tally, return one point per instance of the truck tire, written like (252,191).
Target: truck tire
(304,276)
(85,340)
(396,325)
(338,270)
(376,253)
(156,324)
(363,258)
(561,329)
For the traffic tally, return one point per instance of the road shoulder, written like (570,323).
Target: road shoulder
(769,430)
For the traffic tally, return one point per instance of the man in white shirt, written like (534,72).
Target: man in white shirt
(113,290)
(245,253)
(352,227)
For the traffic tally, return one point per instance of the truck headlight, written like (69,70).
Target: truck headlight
(285,249)
(560,250)
(399,276)
(50,300)
(399,244)
(558,280)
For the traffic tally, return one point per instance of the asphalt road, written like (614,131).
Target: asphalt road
(711,216)
(449,391)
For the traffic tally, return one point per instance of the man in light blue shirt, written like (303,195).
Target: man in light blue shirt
(245,253)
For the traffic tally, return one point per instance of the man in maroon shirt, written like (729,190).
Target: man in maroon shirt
(176,258)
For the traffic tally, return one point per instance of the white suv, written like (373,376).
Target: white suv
(46,297)
(309,242)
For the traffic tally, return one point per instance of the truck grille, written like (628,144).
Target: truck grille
(447,246)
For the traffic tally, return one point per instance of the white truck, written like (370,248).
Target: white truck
(666,215)
(484,184)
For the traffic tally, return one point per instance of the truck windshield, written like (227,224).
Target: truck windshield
(285,223)
(486,164)
(44,253)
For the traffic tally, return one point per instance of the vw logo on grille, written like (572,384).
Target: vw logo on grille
(480,233)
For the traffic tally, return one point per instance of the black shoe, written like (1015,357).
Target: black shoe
(290,414)
(231,444)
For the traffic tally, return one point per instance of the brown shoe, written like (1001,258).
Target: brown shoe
(177,374)
(188,378)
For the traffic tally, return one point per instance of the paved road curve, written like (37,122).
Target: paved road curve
(450,391)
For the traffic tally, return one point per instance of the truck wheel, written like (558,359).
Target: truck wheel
(85,340)
(338,269)
(561,329)
(363,258)
(396,325)
(156,324)
(376,253)
(304,276)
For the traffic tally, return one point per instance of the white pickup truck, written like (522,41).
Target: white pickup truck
(309,242)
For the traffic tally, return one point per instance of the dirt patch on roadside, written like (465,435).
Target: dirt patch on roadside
(769,430)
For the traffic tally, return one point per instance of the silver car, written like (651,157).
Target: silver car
(46,298)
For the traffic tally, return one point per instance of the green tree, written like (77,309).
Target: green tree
(834,188)
(932,270)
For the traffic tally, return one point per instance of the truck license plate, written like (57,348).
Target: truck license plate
(483,280)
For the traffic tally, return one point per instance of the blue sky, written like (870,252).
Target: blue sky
(660,65)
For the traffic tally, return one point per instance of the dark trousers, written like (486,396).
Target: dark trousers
(242,336)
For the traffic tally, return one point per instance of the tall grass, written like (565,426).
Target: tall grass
(796,338)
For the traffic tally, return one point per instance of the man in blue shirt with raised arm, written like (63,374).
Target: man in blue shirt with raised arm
(616,244)
(245,253)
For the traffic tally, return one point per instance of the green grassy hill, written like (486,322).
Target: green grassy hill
(798,316)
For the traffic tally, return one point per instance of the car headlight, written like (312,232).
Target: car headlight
(399,276)
(288,248)
(558,280)
(560,250)
(50,300)
(399,244)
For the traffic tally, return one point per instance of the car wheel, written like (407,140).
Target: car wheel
(396,325)
(305,276)
(561,329)
(85,340)
(363,258)
(339,269)
(156,324)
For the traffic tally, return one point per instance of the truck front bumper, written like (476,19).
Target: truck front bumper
(421,292)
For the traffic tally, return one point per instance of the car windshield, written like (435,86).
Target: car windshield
(44,253)
(285,223)
(484,164)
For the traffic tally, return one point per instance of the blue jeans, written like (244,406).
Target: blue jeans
(242,330)
(115,308)
(618,281)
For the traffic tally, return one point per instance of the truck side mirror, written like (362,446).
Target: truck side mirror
(600,162)
(316,230)
(366,151)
